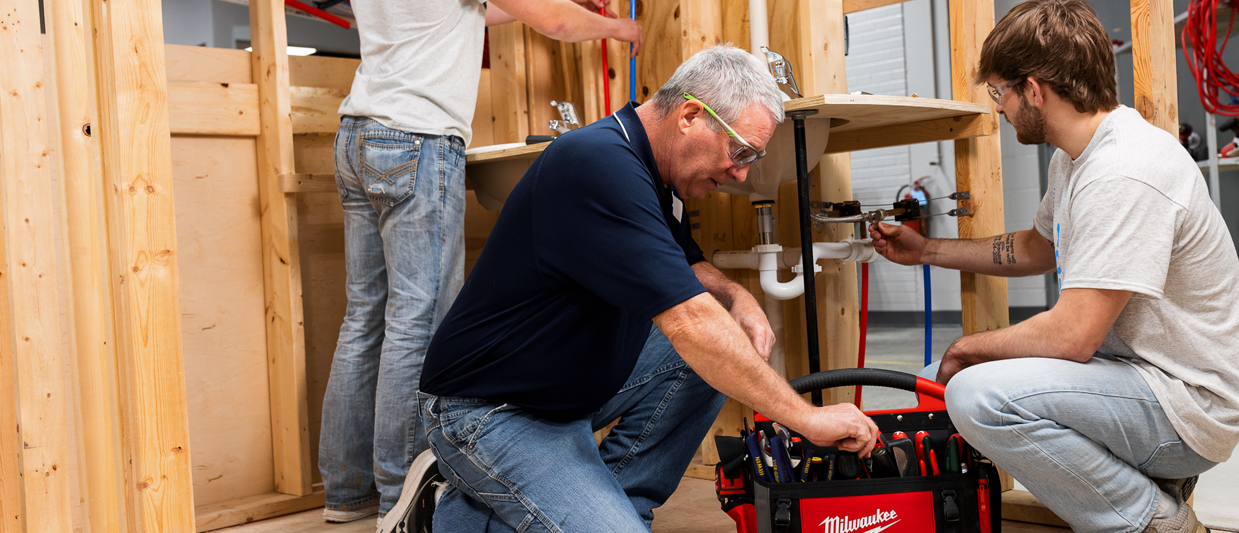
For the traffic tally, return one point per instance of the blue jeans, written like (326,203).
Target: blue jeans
(404,198)
(511,470)
(1084,438)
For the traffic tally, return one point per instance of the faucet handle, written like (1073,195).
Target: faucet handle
(781,69)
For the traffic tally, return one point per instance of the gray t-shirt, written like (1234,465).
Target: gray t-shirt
(1132,213)
(420,63)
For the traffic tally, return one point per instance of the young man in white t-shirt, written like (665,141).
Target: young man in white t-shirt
(1107,406)
(400,171)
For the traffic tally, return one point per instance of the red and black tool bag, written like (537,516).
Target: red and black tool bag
(946,503)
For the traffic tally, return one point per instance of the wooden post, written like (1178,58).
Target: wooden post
(978,167)
(33,351)
(823,71)
(545,75)
(136,159)
(290,426)
(1153,59)
(10,452)
(72,80)
(509,93)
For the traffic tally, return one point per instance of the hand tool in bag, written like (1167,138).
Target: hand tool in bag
(905,455)
(884,463)
(848,466)
(953,464)
(925,452)
(782,460)
(753,443)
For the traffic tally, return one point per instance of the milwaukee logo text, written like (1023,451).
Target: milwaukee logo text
(846,524)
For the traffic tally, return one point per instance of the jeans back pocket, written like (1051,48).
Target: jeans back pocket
(388,161)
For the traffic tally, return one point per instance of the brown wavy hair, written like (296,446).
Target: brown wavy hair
(1057,42)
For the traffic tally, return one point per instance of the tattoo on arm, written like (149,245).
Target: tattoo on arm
(1004,249)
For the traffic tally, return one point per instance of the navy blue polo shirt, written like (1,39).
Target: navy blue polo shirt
(559,304)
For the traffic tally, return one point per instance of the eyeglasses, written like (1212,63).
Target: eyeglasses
(998,91)
(744,154)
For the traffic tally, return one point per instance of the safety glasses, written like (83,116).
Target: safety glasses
(744,154)
(998,91)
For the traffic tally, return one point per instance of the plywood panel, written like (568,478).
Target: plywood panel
(219,231)
(483,124)
(320,223)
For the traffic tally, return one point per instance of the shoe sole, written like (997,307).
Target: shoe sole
(413,512)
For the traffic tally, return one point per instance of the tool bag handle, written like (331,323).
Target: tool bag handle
(929,393)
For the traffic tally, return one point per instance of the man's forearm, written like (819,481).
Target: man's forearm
(1021,253)
(718,285)
(717,349)
(1074,330)
(562,20)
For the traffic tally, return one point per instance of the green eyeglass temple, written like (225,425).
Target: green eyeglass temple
(741,161)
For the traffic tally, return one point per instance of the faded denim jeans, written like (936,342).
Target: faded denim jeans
(511,470)
(404,199)
(1084,438)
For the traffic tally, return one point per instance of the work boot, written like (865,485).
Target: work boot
(340,516)
(422,487)
(1183,521)
(1183,486)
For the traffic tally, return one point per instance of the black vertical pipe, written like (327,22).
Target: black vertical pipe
(806,250)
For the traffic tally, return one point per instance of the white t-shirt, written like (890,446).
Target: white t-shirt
(420,64)
(1133,213)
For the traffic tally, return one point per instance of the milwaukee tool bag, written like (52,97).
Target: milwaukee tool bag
(925,479)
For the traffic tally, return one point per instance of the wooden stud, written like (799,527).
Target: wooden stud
(33,353)
(10,434)
(214,65)
(509,91)
(301,183)
(81,189)
(589,57)
(852,6)
(1022,506)
(290,430)
(314,109)
(545,80)
(483,124)
(820,41)
(135,155)
(978,167)
(1153,59)
(254,508)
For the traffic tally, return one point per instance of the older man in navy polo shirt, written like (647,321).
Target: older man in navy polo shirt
(591,302)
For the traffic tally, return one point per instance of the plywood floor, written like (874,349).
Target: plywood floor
(692,509)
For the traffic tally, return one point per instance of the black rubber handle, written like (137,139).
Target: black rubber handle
(849,377)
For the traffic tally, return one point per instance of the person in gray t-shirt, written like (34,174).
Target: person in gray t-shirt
(400,160)
(1107,406)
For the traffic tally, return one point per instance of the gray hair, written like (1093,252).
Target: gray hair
(727,79)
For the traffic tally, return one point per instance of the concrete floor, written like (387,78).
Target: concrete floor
(694,508)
